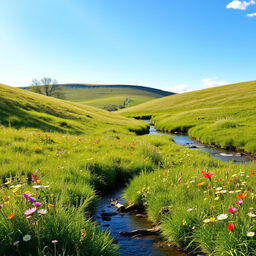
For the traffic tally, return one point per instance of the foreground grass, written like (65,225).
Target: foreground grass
(201,204)
(222,116)
(48,188)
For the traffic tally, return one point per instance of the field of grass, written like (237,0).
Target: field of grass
(101,97)
(223,116)
(54,163)
(58,157)
(23,109)
(201,204)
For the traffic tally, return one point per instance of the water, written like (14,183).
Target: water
(219,154)
(143,246)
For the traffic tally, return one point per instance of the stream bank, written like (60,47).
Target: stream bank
(117,222)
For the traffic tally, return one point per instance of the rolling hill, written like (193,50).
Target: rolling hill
(24,109)
(223,116)
(104,95)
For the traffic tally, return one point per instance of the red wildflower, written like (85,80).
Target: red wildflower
(252,173)
(208,175)
(241,196)
(232,210)
(10,216)
(230,227)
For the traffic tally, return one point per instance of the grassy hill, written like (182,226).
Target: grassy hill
(104,95)
(223,116)
(24,109)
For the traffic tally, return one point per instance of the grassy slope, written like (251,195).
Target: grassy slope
(103,96)
(21,108)
(224,115)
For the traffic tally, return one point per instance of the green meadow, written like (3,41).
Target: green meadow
(58,157)
(222,116)
(98,96)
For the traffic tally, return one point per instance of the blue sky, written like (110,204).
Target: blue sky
(169,44)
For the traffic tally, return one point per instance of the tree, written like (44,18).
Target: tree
(47,86)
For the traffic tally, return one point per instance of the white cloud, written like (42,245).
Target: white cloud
(179,88)
(212,82)
(251,15)
(240,5)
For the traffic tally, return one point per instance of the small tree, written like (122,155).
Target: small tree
(47,86)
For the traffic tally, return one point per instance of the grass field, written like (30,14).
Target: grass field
(24,109)
(223,116)
(101,97)
(58,157)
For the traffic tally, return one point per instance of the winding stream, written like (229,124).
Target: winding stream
(149,245)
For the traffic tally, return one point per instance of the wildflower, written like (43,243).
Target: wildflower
(241,196)
(26,195)
(189,209)
(30,211)
(250,234)
(200,184)
(238,191)
(184,222)
(54,241)
(231,192)
(50,206)
(222,217)
(37,204)
(83,232)
(208,175)
(10,216)
(1,206)
(219,188)
(223,191)
(206,221)
(37,186)
(212,219)
(251,215)
(217,198)
(31,199)
(232,210)
(239,202)
(16,243)
(42,211)
(26,238)
(252,173)
(230,227)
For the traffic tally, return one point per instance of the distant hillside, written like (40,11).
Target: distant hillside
(24,109)
(224,115)
(103,96)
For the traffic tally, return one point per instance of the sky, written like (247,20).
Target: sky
(168,44)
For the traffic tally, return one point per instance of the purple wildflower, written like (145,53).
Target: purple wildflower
(26,195)
(37,204)
(30,211)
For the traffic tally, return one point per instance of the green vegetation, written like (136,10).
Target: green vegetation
(106,96)
(201,204)
(223,116)
(57,157)
(50,181)
(24,109)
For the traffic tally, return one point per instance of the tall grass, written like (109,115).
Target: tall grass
(64,174)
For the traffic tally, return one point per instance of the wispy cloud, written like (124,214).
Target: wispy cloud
(240,5)
(251,15)
(212,82)
(179,88)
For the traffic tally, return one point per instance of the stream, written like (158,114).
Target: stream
(149,245)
